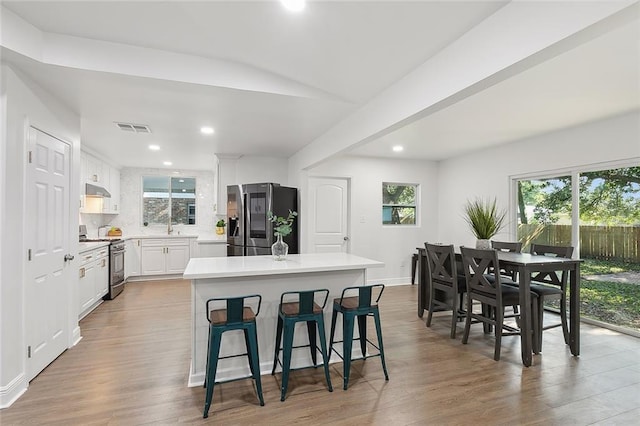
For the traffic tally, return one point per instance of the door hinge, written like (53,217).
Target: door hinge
(30,156)
(28,351)
(29,254)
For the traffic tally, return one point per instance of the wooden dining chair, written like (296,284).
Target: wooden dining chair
(492,294)
(442,275)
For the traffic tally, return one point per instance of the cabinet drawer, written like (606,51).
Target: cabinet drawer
(153,242)
(164,242)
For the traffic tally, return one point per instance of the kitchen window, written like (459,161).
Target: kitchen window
(399,203)
(167,199)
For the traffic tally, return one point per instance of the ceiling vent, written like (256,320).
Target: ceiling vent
(135,128)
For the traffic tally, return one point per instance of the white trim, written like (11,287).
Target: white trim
(580,168)
(11,392)
(76,336)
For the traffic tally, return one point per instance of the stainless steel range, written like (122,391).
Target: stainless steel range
(116,262)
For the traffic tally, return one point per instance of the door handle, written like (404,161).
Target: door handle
(68,257)
(346,238)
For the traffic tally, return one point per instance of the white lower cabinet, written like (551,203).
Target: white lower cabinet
(94,279)
(164,256)
(132,258)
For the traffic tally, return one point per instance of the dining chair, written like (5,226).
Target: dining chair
(492,294)
(550,286)
(511,247)
(442,275)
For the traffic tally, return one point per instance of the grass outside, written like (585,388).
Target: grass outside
(611,302)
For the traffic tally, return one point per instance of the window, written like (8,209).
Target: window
(167,198)
(399,203)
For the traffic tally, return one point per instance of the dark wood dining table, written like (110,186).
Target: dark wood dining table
(526,264)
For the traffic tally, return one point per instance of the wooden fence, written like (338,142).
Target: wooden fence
(596,242)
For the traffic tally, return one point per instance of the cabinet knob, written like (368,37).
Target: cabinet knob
(68,257)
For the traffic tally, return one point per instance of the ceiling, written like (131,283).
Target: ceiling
(272,82)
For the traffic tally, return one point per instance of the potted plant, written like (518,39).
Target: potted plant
(485,220)
(282,226)
(220,226)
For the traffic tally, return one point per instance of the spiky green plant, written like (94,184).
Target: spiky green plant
(484,218)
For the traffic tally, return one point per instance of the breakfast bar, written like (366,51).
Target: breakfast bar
(243,275)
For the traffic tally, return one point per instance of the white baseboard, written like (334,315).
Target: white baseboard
(11,392)
(76,336)
(390,281)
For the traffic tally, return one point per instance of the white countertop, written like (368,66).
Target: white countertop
(212,239)
(82,247)
(246,266)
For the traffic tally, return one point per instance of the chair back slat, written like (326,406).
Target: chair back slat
(512,247)
(552,251)
(476,263)
(305,299)
(234,307)
(366,294)
(441,264)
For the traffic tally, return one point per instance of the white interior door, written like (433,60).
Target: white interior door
(47,237)
(328,215)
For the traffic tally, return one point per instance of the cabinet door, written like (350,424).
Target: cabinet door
(132,258)
(152,260)
(86,283)
(106,202)
(102,277)
(114,189)
(177,258)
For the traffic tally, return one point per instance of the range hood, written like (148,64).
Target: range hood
(96,191)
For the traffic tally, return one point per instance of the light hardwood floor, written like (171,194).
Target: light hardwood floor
(131,368)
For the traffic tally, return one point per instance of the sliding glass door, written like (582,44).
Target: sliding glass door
(605,230)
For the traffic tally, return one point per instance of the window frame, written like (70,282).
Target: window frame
(169,177)
(415,206)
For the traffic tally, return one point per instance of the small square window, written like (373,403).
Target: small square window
(399,203)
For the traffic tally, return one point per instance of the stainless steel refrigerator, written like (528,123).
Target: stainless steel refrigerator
(249,231)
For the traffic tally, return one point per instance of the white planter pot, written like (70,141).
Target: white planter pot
(483,244)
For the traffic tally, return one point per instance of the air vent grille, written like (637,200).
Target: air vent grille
(135,128)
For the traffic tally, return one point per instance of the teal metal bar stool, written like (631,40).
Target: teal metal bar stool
(297,306)
(232,314)
(357,306)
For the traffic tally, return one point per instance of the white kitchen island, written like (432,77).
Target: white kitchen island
(239,276)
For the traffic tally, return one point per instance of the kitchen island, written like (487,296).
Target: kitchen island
(244,275)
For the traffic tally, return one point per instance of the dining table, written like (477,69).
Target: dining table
(526,264)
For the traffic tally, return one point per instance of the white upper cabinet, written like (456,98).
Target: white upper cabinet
(97,172)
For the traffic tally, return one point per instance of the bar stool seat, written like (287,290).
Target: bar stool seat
(302,309)
(235,316)
(361,307)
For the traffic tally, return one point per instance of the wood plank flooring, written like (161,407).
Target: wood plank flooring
(132,364)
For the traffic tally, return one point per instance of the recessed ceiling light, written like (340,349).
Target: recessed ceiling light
(397,148)
(167,163)
(184,190)
(207,130)
(294,5)
(154,147)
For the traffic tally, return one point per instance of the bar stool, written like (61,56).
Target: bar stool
(359,306)
(235,316)
(300,306)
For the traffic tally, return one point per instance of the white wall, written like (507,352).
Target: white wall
(488,173)
(130,217)
(25,104)
(262,169)
(393,245)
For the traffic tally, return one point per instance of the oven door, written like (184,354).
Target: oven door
(117,267)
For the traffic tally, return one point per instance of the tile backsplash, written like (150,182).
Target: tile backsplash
(130,217)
